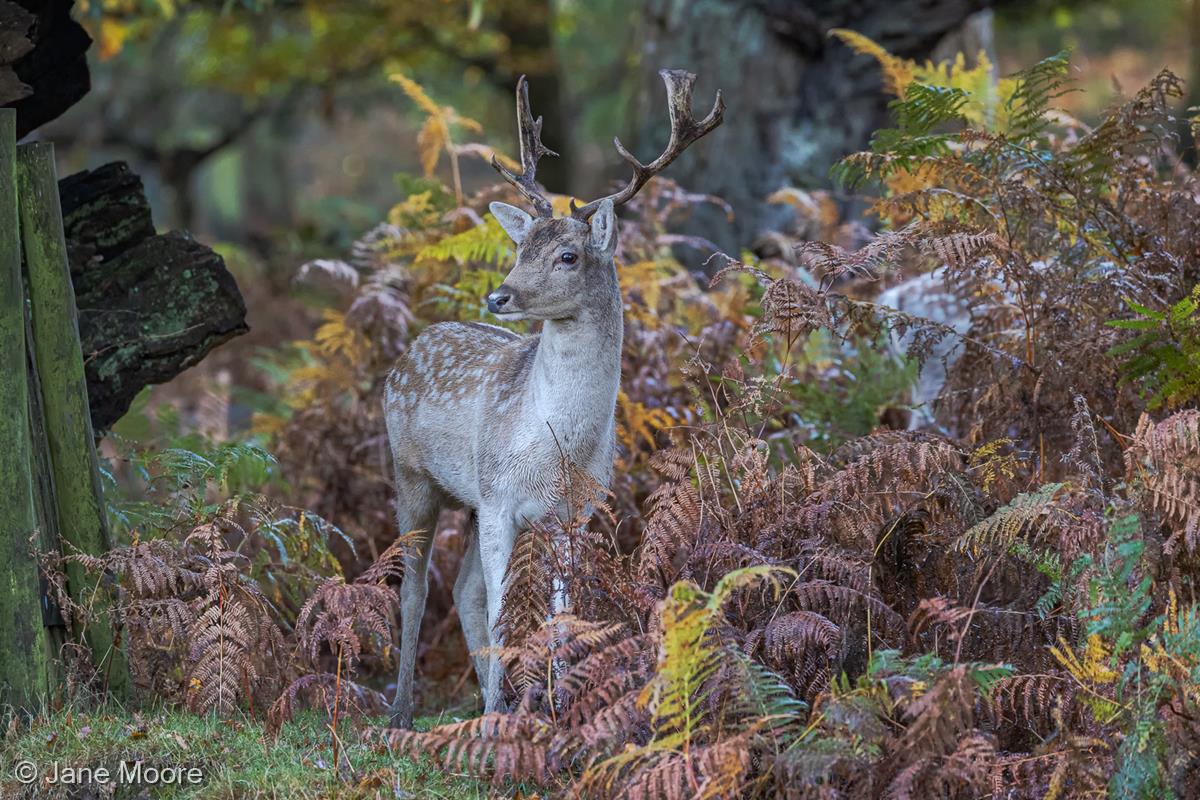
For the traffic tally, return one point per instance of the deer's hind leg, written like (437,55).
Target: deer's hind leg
(417,503)
(470,599)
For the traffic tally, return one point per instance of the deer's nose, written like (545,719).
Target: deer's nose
(498,300)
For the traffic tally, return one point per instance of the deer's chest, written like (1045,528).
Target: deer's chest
(526,464)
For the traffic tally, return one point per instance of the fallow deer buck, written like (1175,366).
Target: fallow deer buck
(483,418)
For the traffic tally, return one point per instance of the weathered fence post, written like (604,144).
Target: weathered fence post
(23,665)
(59,363)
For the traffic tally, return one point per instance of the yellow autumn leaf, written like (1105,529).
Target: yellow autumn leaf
(466,123)
(418,206)
(639,422)
(111,37)
(898,72)
(1092,669)
(431,139)
(268,425)
(416,93)
(642,277)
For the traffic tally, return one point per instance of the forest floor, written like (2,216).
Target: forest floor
(236,758)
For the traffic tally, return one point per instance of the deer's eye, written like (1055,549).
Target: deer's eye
(568,258)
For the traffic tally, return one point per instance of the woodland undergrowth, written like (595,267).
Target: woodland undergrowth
(780,595)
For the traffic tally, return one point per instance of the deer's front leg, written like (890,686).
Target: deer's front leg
(497,533)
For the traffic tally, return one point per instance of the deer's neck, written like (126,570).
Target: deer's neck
(577,372)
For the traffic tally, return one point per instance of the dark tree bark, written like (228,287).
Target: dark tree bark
(797,99)
(43,62)
(529,28)
(150,305)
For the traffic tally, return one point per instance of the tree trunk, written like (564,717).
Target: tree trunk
(150,305)
(529,30)
(797,100)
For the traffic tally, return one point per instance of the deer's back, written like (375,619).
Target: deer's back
(444,392)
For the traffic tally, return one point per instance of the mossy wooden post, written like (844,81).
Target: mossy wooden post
(23,665)
(45,509)
(59,363)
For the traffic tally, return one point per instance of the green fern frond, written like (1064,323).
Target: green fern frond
(690,654)
(1028,514)
(1036,87)
(482,244)
(464,298)
(1164,357)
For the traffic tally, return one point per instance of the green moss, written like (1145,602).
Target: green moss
(236,758)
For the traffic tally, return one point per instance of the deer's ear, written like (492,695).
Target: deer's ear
(604,228)
(516,223)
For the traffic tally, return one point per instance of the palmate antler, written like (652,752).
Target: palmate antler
(684,130)
(532,149)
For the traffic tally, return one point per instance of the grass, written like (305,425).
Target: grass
(235,758)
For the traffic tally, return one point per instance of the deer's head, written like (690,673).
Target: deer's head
(565,265)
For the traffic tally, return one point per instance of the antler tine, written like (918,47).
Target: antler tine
(532,149)
(684,130)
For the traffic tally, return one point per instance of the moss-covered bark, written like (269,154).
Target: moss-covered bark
(150,305)
(59,364)
(23,664)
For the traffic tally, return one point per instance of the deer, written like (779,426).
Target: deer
(482,418)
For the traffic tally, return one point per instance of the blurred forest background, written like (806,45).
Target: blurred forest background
(271,130)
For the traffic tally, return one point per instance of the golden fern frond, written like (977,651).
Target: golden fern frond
(994,462)
(434,136)
(637,423)
(898,73)
(690,654)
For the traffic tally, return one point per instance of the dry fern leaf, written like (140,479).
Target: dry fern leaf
(500,746)
(803,645)
(960,249)
(1166,456)
(672,527)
